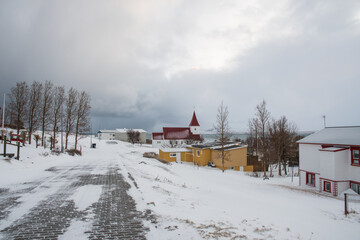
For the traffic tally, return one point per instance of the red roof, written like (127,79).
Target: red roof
(194,122)
(157,136)
(176,133)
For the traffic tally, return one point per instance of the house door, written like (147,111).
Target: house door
(178,157)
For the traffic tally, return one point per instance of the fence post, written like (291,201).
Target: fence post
(345,198)
(4,145)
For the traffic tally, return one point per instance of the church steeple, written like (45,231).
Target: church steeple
(194,125)
(194,122)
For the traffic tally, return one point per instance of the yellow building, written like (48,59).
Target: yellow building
(210,154)
(175,154)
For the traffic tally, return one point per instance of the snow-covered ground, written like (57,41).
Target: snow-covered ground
(195,202)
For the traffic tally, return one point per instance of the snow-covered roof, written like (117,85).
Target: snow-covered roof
(124,130)
(348,136)
(217,145)
(106,131)
(175,150)
(229,147)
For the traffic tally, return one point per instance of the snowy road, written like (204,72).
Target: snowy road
(80,200)
(113,192)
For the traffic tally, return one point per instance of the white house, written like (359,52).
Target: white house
(329,160)
(121,134)
(177,136)
(106,134)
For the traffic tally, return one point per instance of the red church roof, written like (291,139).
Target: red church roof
(157,136)
(178,133)
(194,122)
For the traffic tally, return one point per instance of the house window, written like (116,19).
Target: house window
(327,186)
(355,187)
(158,142)
(310,179)
(355,157)
(198,153)
(172,154)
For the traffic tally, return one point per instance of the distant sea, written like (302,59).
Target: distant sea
(210,137)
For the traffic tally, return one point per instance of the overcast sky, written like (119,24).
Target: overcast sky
(146,63)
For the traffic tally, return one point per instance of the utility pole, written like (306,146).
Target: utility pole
(62,129)
(90,134)
(324,117)
(3,119)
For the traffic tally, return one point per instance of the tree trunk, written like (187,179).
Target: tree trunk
(279,163)
(66,140)
(76,134)
(43,132)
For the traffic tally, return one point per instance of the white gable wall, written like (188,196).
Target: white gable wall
(342,165)
(106,135)
(354,172)
(309,162)
(327,164)
(309,157)
(157,143)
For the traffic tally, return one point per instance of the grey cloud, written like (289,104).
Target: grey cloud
(121,52)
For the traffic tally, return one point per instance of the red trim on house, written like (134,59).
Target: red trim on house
(326,179)
(352,157)
(338,150)
(194,122)
(309,180)
(353,182)
(308,171)
(326,146)
(324,184)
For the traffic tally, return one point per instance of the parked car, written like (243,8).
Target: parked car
(211,164)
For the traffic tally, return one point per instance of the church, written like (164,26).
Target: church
(178,136)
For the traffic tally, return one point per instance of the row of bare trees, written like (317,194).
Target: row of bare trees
(272,140)
(43,106)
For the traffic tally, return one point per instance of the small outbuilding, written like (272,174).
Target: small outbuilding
(122,134)
(106,134)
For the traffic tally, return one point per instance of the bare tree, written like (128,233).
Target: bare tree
(253,138)
(222,128)
(263,116)
(37,138)
(47,100)
(58,101)
(133,136)
(70,114)
(18,104)
(82,115)
(282,139)
(34,111)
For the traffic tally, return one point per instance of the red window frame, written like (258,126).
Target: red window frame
(356,183)
(353,163)
(324,188)
(309,177)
